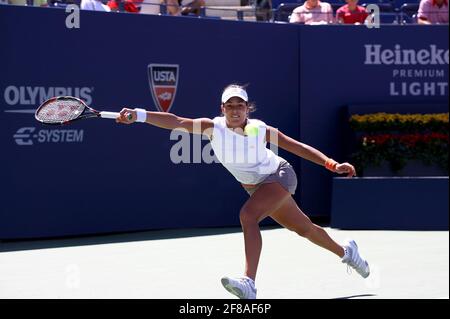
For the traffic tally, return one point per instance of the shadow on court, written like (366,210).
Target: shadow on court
(45,243)
(357,296)
(111,238)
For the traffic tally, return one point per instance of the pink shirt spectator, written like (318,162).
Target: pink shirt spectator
(348,16)
(429,10)
(320,14)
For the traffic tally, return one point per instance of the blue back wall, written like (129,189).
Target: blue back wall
(95,176)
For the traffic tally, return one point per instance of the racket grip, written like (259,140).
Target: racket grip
(109,115)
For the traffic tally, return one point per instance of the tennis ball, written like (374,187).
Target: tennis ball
(251,130)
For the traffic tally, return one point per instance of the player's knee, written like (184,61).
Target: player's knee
(248,216)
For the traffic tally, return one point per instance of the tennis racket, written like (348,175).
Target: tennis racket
(62,110)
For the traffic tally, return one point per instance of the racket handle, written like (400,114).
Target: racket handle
(109,115)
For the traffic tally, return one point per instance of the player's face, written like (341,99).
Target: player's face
(235,111)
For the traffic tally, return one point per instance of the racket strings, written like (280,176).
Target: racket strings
(59,111)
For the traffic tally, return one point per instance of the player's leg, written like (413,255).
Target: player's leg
(267,198)
(290,216)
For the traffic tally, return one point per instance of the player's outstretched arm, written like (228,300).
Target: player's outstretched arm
(167,120)
(307,152)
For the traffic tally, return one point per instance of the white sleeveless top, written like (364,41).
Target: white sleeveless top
(246,157)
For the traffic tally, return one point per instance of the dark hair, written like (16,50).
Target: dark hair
(251,105)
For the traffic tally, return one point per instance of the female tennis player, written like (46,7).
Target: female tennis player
(269,179)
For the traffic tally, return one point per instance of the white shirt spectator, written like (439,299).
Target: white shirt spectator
(433,12)
(313,12)
(94,5)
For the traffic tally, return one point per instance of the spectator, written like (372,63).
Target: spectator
(351,13)
(182,7)
(94,5)
(263,10)
(433,12)
(128,5)
(313,12)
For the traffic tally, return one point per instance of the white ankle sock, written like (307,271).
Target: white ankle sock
(346,252)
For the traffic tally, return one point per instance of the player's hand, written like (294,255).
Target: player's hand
(126,116)
(346,168)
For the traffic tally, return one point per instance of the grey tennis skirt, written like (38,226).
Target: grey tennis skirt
(284,175)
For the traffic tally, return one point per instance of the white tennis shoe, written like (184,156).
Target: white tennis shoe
(243,287)
(354,260)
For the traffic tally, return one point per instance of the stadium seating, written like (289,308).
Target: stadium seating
(384,6)
(398,3)
(377,2)
(408,13)
(336,5)
(150,7)
(276,3)
(230,9)
(283,12)
(62,4)
(393,11)
(389,18)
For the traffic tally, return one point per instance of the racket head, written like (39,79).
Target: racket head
(61,110)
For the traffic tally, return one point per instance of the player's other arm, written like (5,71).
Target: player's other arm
(169,121)
(305,151)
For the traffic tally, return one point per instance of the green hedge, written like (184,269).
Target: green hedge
(399,138)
